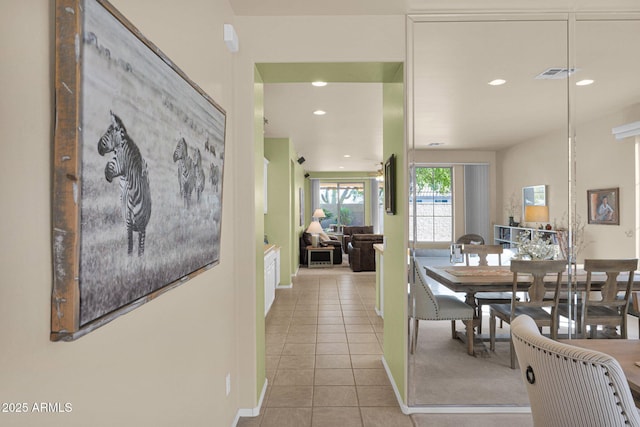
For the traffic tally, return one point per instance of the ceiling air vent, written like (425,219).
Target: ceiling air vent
(556,73)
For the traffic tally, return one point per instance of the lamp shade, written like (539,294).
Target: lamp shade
(319,213)
(536,213)
(314,228)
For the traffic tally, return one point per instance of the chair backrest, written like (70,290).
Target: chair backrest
(470,239)
(608,295)
(482,251)
(424,304)
(568,385)
(536,293)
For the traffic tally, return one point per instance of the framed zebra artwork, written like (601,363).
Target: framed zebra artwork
(138,171)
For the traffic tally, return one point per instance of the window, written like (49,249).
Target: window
(343,203)
(433,205)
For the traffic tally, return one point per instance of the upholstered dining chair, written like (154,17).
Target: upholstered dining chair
(535,304)
(609,306)
(568,385)
(425,305)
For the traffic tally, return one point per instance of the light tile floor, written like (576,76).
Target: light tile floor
(324,357)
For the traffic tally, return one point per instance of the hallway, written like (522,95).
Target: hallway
(323,355)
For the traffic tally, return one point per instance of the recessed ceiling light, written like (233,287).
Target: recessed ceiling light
(319,84)
(319,112)
(340,167)
(347,155)
(497,82)
(585,82)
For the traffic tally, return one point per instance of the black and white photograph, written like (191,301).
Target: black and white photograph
(152,155)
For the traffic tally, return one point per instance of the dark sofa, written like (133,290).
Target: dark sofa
(362,256)
(305,240)
(350,230)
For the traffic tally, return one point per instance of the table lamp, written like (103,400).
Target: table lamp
(319,213)
(314,229)
(536,213)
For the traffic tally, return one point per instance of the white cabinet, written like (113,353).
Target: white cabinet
(271,275)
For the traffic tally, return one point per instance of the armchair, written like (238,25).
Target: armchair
(362,256)
(350,230)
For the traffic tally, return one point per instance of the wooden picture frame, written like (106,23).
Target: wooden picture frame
(604,206)
(138,171)
(390,185)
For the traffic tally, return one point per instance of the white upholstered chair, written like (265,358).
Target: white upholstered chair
(425,305)
(568,385)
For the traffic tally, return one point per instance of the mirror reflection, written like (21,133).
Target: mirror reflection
(489,111)
(495,104)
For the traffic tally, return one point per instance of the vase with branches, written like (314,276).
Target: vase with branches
(578,242)
(512,207)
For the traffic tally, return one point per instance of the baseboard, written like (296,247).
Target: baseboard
(403,407)
(289,286)
(477,409)
(251,412)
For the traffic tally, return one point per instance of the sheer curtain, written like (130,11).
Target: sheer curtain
(476,201)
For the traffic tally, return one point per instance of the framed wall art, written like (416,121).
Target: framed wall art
(390,185)
(604,206)
(138,170)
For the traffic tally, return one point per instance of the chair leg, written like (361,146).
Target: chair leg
(492,331)
(479,304)
(512,352)
(414,341)
(469,326)
(453,329)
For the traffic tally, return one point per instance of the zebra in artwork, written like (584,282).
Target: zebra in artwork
(198,172)
(214,176)
(186,173)
(128,164)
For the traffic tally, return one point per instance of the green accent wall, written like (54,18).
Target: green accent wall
(395,231)
(258,141)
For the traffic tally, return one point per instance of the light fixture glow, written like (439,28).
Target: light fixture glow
(319,112)
(347,155)
(319,84)
(497,82)
(585,82)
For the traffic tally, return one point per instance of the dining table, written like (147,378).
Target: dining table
(472,279)
(626,352)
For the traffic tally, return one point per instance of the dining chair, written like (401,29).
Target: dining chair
(534,303)
(470,239)
(486,298)
(425,305)
(609,306)
(568,385)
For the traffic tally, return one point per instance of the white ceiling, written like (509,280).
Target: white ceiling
(454,105)
(352,126)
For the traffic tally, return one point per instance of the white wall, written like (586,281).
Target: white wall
(163,364)
(601,162)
